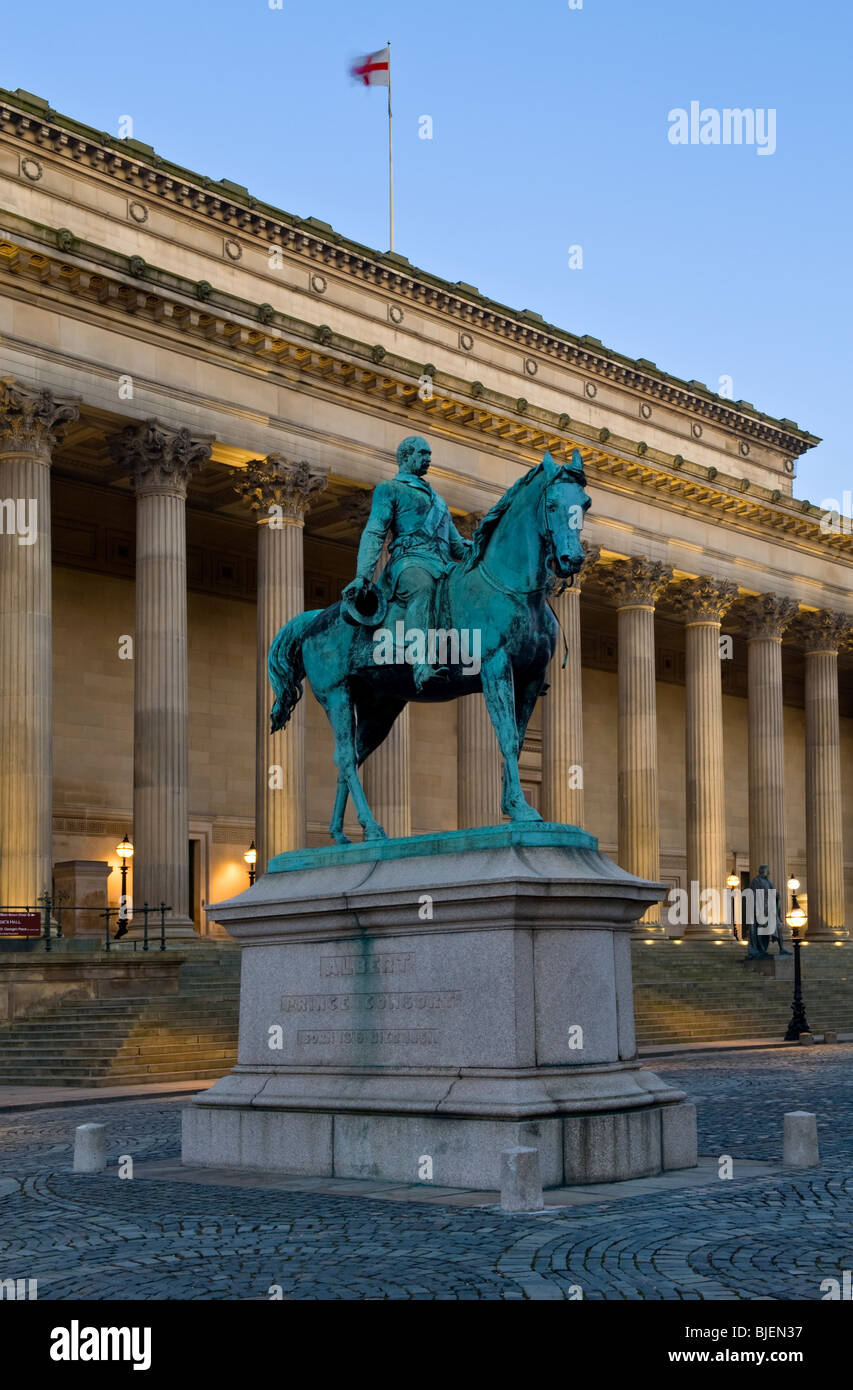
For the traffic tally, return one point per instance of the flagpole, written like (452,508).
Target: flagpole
(390,155)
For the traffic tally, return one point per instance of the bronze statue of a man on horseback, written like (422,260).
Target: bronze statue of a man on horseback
(435,586)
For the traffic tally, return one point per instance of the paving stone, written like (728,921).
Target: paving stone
(766,1234)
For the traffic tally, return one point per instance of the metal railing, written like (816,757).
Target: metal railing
(52,907)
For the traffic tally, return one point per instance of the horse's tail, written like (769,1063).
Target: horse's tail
(286,667)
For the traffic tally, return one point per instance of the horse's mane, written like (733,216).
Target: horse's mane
(490,520)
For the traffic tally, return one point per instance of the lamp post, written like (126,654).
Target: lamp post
(732,883)
(796,919)
(251,858)
(125,854)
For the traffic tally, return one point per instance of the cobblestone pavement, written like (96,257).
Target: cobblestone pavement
(101,1237)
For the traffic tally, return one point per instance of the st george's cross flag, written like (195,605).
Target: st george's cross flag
(374,70)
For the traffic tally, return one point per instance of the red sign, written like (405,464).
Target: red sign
(20,924)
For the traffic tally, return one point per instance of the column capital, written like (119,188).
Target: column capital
(591,557)
(29,419)
(635,582)
(275,481)
(159,459)
(704,599)
(356,506)
(823,631)
(765,615)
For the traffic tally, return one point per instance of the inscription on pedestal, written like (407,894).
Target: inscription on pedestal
(386,963)
(330,1037)
(347,1003)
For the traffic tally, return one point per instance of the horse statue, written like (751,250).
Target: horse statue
(528,543)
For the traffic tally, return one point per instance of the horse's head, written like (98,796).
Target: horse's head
(564,504)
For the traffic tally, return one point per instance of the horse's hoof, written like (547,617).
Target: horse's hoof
(375,833)
(524,814)
(340,838)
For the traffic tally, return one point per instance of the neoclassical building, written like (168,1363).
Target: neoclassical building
(199,392)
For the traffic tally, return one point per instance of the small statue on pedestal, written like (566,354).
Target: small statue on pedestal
(764,900)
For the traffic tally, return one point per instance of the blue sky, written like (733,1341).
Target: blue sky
(550,129)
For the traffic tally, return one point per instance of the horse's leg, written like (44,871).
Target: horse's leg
(336,825)
(525,702)
(499,692)
(340,714)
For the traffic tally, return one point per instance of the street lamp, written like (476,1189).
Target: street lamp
(733,883)
(125,854)
(251,857)
(796,919)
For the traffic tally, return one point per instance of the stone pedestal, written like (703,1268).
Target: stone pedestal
(84,885)
(445,996)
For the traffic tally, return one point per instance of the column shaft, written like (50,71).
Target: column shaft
(478,786)
(386,779)
(26,673)
(161,461)
(28,420)
(279,490)
(639,831)
(161,707)
(279,796)
(767,761)
(824,838)
(562,720)
(706,821)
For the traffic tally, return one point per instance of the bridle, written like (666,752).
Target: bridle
(553,586)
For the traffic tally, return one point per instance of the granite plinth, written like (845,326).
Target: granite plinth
(468,994)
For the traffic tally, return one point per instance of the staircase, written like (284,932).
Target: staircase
(190,1036)
(698,992)
(692,993)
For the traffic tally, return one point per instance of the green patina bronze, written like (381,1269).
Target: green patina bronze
(391,642)
(534,836)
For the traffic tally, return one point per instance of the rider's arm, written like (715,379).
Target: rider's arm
(373,535)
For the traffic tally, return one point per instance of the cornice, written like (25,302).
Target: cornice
(335,364)
(31,120)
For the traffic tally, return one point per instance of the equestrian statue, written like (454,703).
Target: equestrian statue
(492,590)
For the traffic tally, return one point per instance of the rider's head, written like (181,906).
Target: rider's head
(413,455)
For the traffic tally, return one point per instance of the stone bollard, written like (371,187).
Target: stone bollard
(521,1181)
(90,1148)
(830,1037)
(805,1039)
(799,1139)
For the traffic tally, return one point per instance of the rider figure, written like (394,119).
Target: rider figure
(424,543)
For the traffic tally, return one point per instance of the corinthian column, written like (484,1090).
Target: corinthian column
(704,603)
(161,461)
(764,620)
(386,776)
(280,492)
(562,710)
(636,585)
(28,421)
(821,634)
(478,767)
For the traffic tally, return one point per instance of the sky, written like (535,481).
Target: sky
(551,130)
